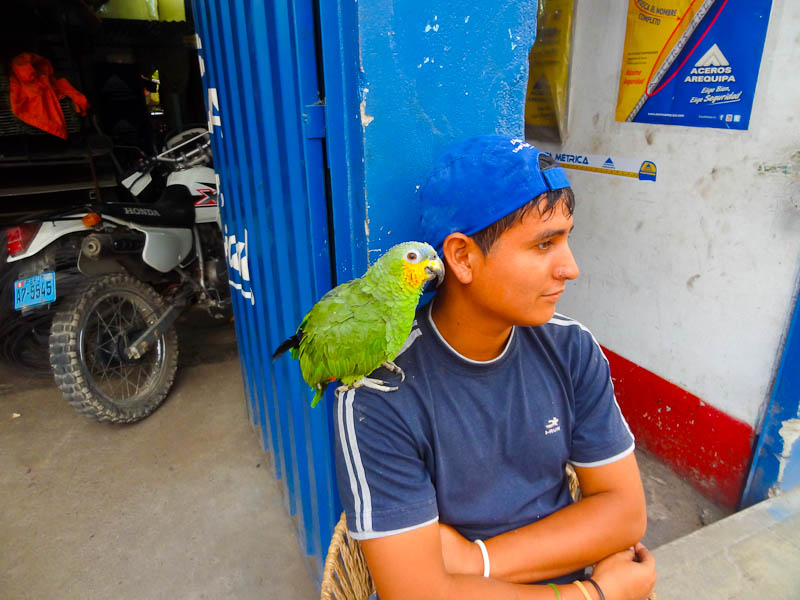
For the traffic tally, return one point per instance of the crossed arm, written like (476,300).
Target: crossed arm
(435,562)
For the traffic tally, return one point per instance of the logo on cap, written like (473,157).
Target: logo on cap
(520,144)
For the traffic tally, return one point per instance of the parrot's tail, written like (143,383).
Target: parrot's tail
(288,344)
(318,395)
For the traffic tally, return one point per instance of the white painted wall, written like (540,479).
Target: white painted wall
(692,277)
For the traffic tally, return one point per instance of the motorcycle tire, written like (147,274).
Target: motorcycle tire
(87,342)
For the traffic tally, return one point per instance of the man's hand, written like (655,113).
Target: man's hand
(461,557)
(627,575)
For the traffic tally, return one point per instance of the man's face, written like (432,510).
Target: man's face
(524,273)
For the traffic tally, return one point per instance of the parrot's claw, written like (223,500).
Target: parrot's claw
(367,382)
(395,369)
(374,384)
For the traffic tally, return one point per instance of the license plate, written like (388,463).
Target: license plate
(32,291)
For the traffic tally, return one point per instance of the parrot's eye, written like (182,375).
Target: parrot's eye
(412,257)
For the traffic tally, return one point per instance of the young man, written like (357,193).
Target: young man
(455,482)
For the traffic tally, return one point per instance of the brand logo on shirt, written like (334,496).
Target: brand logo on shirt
(552,426)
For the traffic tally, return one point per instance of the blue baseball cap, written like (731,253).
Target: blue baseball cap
(480,180)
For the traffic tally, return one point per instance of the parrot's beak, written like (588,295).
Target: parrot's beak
(435,268)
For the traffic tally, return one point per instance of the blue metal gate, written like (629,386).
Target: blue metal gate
(260,70)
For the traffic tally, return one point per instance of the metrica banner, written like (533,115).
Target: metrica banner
(692,62)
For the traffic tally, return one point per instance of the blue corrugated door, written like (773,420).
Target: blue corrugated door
(259,61)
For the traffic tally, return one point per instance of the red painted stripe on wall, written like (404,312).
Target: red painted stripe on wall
(701,443)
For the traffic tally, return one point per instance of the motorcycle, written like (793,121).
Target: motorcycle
(114,277)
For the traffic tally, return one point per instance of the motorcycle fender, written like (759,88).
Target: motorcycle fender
(48,233)
(165,248)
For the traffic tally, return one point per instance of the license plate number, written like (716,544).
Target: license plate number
(32,291)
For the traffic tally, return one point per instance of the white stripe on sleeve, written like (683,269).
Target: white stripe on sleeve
(606,461)
(366,515)
(379,534)
(359,524)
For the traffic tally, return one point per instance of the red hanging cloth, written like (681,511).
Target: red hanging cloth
(35,93)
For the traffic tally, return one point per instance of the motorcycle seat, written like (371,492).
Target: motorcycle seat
(175,208)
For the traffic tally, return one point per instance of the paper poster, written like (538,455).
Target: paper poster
(548,82)
(692,62)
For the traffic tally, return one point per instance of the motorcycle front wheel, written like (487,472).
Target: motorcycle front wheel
(88,339)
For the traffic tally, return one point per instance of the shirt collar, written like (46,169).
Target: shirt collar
(457,354)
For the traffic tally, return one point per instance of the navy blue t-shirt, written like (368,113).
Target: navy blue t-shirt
(481,446)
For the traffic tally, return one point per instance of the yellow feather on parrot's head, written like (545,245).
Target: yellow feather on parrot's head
(414,263)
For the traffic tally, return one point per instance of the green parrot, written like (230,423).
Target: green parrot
(362,324)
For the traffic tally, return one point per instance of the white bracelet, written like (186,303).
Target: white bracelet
(485,555)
